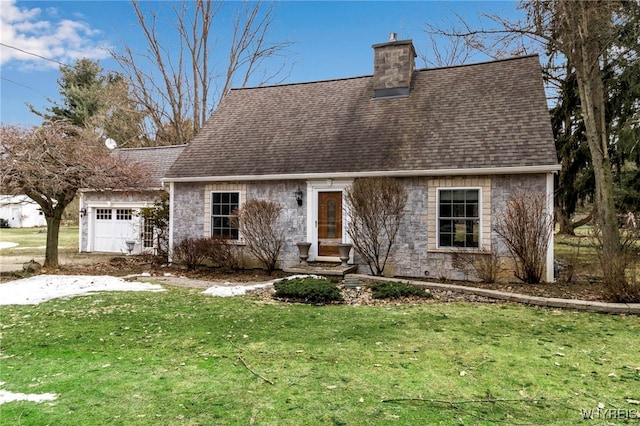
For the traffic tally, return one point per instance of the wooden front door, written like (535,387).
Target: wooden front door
(329,222)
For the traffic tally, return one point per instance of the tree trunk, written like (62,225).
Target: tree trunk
(53,215)
(53,234)
(584,50)
(593,108)
(567,226)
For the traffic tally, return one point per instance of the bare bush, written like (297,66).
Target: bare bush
(192,252)
(525,227)
(375,208)
(567,271)
(224,253)
(216,251)
(620,272)
(257,221)
(485,264)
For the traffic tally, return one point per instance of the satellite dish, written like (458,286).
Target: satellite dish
(110,143)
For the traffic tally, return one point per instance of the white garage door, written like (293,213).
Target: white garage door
(113,227)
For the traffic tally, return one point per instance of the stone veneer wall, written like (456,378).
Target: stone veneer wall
(415,253)
(192,210)
(188,211)
(293,217)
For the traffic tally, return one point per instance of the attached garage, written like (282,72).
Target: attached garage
(113,228)
(110,218)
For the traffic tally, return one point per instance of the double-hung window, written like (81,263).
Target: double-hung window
(223,207)
(459,218)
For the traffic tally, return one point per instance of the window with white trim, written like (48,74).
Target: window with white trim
(223,207)
(459,217)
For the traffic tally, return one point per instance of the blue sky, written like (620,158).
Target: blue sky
(330,39)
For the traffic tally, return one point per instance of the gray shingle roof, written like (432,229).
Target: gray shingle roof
(158,159)
(487,115)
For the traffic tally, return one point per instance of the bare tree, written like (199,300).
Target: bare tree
(258,223)
(187,83)
(525,226)
(375,208)
(49,164)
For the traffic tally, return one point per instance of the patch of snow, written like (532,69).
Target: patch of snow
(6,396)
(6,244)
(41,288)
(228,289)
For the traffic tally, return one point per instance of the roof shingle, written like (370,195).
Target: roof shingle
(487,115)
(159,159)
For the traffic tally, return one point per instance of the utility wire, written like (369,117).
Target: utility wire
(34,54)
(25,86)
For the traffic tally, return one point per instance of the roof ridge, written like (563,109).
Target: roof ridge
(140,148)
(494,61)
(300,83)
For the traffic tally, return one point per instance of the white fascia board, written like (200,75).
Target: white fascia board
(552,168)
(150,189)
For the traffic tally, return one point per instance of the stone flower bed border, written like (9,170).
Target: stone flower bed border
(611,308)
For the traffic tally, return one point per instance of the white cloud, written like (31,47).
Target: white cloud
(32,31)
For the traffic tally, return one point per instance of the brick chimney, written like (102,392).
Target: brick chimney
(393,65)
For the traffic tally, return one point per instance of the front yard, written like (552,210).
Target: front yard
(181,357)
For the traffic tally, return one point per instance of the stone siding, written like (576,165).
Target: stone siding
(192,211)
(293,217)
(415,253)
(188,211)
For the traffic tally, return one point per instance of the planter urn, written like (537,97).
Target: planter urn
(303,250)
(344,250)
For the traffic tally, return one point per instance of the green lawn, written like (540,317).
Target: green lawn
(183,358)
(33,240)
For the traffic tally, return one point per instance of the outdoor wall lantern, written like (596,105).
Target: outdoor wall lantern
(299,196)
(83,212)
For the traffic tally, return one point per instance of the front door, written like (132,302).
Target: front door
(329,222)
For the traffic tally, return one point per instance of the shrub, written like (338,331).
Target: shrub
(224,253)
(158,217)
(396,290)
(258,221)
(526,227)
(486,264)
(308,290)
(376,207)
(620,274)
(192,252)
(217,251)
